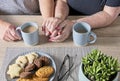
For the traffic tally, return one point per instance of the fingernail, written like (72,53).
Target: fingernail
(59,33)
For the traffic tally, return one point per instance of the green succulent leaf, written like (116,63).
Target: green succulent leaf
(99,67)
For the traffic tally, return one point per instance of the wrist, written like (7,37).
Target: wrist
(46,16)
(60,17)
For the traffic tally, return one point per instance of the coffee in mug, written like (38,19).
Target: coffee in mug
(29,29)
(81,30)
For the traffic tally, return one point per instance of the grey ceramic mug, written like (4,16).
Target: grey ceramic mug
(30,38)
(82,33)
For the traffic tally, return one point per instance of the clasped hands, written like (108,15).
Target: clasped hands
(57,29)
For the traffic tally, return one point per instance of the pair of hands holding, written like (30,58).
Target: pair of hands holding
(57,29)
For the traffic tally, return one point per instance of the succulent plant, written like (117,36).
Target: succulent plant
(99,67)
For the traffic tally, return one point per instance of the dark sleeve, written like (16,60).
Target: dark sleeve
(113,3)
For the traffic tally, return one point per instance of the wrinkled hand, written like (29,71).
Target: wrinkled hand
(50,25)
(64,32)
(8,32)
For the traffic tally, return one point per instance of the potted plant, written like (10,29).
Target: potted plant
(97,66)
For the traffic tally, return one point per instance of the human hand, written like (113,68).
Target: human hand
(50,25)
(8,32)
(64,32)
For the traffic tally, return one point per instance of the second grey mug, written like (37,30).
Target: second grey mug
(82,33)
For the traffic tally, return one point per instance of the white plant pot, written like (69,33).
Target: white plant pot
(82,77)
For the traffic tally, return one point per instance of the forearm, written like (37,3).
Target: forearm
(47,8)
(100,19)
(61,9)
(3,23)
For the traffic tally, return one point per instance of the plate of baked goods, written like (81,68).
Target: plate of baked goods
(31,66)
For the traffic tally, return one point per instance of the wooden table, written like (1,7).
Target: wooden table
(108,38)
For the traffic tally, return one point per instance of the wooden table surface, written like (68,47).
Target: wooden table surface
(108,39)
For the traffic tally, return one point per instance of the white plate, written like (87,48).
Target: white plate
(41,54)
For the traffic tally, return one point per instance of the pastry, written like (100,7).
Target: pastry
(38,62)
(45,71)
(45,60)
(29,67)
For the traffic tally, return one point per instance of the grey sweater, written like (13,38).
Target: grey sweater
(19,7)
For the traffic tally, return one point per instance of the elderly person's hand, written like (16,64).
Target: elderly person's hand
(50,26)
(8,32)
(65,29)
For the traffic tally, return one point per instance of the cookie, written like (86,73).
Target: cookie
(30,58)
(26,74)
(34,78)
(24,79)
(14,70)
(40,79)
(38,62)
(45,60)
(35,54)
(45,71)
(29,67)
(21,64)
(21,60)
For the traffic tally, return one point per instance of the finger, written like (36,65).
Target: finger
(8,35)
(11,33)
(48,21)
(47,25)
(55,25)
(50,25)
(62,25)
(11,36)
(44,22)
(7,39)
(44,26)
(59,38)
(54,33)
(47,33)
(59,32)
(43,29)
(15,34)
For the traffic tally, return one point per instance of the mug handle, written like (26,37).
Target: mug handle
(18,30)
(94,37)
